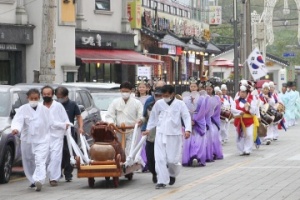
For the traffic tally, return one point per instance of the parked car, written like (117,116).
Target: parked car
(102,93)
(10,152)
(89,112)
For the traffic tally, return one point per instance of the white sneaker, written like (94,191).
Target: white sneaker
(38,186)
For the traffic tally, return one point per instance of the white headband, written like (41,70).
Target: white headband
(223,87)
(243,88)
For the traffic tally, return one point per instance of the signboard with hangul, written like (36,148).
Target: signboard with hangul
(215,15)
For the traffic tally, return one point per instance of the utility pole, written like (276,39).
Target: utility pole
(47,57)
(236,65)
(248,36)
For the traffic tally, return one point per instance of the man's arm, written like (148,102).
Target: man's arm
(111,113)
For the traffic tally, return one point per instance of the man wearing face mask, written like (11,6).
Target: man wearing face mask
(166,116)
(125,110)
(60,123)
(33,122)
(73,112)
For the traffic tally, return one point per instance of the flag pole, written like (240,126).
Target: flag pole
(236,65)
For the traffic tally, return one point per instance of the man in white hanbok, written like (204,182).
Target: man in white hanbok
(60,123)
(127,111)
(33,122)
(167,115)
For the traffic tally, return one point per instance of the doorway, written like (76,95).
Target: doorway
(5,72)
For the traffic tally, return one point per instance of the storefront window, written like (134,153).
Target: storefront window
(102,4)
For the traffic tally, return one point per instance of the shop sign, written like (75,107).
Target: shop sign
(183,27)
(192,58)
(96,41)
(171,49)
(134,11)
(144,71)
(215,15)
(8,47)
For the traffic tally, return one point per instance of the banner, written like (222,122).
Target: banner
(256,64)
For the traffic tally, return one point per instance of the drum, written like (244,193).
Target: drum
(266,114)
(262,130)
(225,114)
(272,111)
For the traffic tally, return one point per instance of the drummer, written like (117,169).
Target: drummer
(277,102)
(267,99)
(244,110)
(226,104)
(194,148)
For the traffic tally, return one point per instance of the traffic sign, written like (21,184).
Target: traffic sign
(288,54)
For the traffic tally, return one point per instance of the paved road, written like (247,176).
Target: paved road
(271,172)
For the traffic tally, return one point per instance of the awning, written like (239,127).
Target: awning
(115,56)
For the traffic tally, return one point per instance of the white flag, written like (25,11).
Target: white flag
(256,65)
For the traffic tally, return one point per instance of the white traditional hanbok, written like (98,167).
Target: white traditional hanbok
(168,141)
(34,126)
(226,104)
(128,113)
(270,129)
(59,119)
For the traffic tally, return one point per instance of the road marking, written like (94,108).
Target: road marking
(201,180)
(296,157)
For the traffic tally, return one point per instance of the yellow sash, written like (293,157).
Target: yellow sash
(255,124)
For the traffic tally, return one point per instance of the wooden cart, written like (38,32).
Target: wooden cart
(105,134)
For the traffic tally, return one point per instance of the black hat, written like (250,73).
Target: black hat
(289,84)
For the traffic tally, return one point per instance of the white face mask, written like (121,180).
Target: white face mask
(167,100)
(125,95)
(33,104)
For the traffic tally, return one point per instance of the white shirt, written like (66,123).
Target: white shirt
(167,118)
(34,125)
(59,118)
(128,113)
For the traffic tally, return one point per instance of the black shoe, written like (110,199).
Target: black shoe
(172,180)
(68,179)
(32,186)
(160,186)
(154,178)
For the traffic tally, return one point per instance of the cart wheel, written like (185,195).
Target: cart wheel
(116,181)
(129,176)
(91,182)
(107,178)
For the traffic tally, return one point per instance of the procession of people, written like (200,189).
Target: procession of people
(188,129)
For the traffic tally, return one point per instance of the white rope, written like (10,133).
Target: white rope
(84,149)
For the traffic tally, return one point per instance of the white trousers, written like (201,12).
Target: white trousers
(167,151)
(245,143)
(55,158)
(270,132)
(275,131)
(128,140)
(224,130)
(28,160)
(34,158)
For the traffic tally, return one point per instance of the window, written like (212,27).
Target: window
(162,6)
(186,13)
(149,3)
(86,100)
(78,99)
(169,9)
(218,74)
(102,4)
(145,3)
(153,4)
(166,7)
(179,12)
(175,11)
